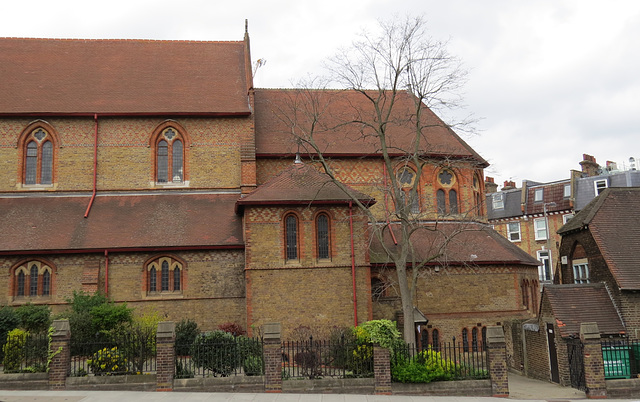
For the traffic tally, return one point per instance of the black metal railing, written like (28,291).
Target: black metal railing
(318,359)
(575,353)
(113,358)
(457,360)
(243,356)
(25,353)
(621,358)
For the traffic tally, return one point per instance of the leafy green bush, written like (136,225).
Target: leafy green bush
(108,361)
(383,332)
(9,320)
(34,319)
(250,351)
(216,351)
(137,339)
(425,367)
(14,350)
(186,333)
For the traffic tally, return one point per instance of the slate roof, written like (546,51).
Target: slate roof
(468,243)
(52,223)
(274,136)
(75,76)
(572,305)
(613,218)
(301,184)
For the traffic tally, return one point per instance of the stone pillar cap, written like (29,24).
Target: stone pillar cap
(272,330)
(61,328)
(166,329)
(495,334)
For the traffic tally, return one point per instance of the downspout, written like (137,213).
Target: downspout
(386,205)
(95,165)
(106,273)
(353,266)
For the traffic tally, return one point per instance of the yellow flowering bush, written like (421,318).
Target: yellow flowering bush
(108,361)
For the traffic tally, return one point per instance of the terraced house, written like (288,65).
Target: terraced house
(155,172)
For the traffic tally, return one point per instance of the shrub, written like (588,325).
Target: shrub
(186,333)
(9,320)
(108,361)
(382,332)
(216,351)
(14,350)
(34,319)
(250,351)
(427,366)
(232,328)
(137,342)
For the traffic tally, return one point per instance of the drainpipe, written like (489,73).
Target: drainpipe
(353,267)
(95,165)
(106,273)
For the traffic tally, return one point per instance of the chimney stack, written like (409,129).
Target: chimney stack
(589,165)
(490,186)
(509,185)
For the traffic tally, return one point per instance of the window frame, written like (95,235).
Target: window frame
(323,241)
(567,191)
(537,230)
(37,165)
(567,217)
(510,232)
(447,193)
(580,270)
(538,194)
(598,189)
(25,287)
(290,248)
(161,282)
(545,271)
(497,201)
(171,133)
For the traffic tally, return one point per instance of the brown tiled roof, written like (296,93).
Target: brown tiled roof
(574,304)
(614,221)
(66,76)
(53,223)
(464,243)
(553,193)
(274,115)
(302,184)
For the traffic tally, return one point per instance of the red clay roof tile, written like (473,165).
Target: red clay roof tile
(72,76)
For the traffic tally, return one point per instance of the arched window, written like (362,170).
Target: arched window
(424,339)
(447,194)
(169,155)
(32,279)
(408,190)
(465,340)
(291,237)
(435,340)
(474,339)
(484,338)
(38,154)
(167,272)
(477,198)
(322,236)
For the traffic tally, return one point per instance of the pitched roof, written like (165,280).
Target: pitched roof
(455,243)
(274,131)
(302,184)
(613,218)
(67,76)
(574,304)
(56,223)
(553,197)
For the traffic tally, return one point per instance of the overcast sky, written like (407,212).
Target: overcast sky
(549,79)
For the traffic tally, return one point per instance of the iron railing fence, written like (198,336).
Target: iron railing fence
(621,357)
(129,355)
(320,358)
(25,353)
(461,361)
(243,356)
(575,354)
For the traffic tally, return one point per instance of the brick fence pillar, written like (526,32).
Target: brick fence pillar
(382,370)
(165,355)
(593,362)
(272,358)
(497,356)
(59,349)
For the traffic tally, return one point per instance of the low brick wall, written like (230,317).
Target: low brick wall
(445,388)
(330,386)
(143,382)
(623,389)
(24,381)
(251,384)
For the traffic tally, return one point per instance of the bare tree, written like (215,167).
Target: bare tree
(400,76)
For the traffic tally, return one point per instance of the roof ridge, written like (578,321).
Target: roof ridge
(119,40)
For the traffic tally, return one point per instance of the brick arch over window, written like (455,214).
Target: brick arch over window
(164,274)
(447,188)
(32,279)
(38,146)
(170,145)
